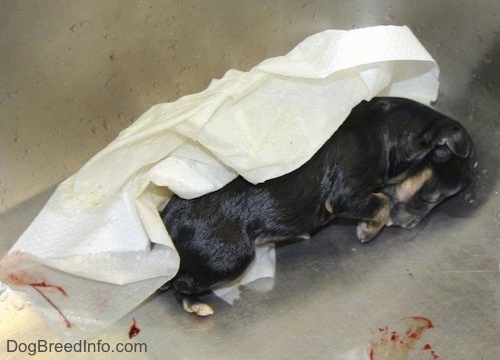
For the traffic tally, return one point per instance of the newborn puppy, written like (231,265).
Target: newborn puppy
(390,163)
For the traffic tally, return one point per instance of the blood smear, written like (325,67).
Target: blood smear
(134,330)
(41,287)
(37,287)
(394,345)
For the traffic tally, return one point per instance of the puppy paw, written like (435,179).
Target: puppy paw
(197,308)
(366,231)
(361,231)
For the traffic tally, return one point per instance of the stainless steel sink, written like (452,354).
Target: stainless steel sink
(73,74)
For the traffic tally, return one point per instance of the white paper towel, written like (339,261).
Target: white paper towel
(98,248)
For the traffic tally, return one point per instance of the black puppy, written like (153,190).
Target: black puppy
(390,163)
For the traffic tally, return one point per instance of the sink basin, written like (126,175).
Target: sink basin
(76,73)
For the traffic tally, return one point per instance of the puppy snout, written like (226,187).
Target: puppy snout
(401,217)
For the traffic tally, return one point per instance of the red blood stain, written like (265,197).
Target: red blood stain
(418,325)
(390,345)
(23,278)
(45,285)
(134,330)
(422,320)
(394,336)
(429,348)
(37,287)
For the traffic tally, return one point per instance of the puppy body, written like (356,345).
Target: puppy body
(389,163)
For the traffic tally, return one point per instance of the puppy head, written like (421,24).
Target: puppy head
(445,170)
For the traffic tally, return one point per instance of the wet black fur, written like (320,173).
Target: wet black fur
(380,144)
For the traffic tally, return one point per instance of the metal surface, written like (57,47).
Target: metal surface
(73,74)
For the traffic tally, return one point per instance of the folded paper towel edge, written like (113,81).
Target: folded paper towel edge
(367,36)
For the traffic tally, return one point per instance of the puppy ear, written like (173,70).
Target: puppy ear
(445,138)
(456,139)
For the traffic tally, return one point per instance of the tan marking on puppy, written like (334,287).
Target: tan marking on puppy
(409,187)
(383,214)
(329,207)
(367,230)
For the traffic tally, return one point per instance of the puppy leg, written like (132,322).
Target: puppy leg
(193,304)
(183,286)
(198,275)
(380,206)
(189,303)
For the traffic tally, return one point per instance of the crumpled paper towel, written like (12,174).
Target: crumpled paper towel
(98,248)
